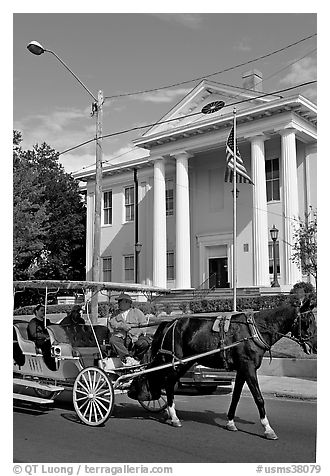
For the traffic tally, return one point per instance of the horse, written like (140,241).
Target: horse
(239,344)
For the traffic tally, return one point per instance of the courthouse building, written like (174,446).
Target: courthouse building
(185,208)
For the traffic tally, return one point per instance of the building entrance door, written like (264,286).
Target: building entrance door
(218,273)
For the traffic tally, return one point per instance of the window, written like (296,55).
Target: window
(271,258)
(107,208)
(129,204)
(169,194)
(107,269)
(129,268)
(273,179)
(170,265)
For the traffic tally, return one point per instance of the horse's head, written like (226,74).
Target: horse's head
(304,328)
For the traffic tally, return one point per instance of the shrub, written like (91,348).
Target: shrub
(184,307)
(243,303)
(303,288)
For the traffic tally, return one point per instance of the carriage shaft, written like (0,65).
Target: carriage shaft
(177,362)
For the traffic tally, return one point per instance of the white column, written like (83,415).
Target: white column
(159,229)
(290,204)
(182,215)
(310,151)
(259,213)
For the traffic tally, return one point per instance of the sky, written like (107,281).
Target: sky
(128,52)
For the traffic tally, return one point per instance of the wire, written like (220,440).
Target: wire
(105,161)
(212,74)
(220,83)
(125,131)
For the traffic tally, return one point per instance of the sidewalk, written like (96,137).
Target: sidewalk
(290,387)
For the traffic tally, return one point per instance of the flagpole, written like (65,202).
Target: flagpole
(234,219)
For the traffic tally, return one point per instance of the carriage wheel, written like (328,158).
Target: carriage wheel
(154,406)
(93,396)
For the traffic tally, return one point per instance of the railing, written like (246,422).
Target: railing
(204,289)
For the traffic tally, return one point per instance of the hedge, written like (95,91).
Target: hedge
(200,306)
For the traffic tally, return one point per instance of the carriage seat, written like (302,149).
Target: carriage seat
(80,335)
(26,345)
(79,339)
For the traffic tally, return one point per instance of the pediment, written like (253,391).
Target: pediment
(188,110)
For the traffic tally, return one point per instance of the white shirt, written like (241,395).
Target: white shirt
(124,314)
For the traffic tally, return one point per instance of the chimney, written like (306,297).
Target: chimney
(252,80)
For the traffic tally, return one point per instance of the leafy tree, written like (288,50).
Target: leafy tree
(305,244)
(49,226)
(29,213)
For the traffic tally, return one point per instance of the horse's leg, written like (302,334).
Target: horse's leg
(239,382)
(172,419)
(253,384)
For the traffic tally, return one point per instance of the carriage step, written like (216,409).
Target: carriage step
(35,384)
(28,398)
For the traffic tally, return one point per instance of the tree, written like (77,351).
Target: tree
(305,244)
(50,226)
(30,219)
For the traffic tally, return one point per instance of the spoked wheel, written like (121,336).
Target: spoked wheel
(93,396)
(154,406)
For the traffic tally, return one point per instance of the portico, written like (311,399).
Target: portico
(195,240)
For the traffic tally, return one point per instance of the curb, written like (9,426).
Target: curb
(289,396)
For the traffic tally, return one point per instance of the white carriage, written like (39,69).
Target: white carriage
(79,360)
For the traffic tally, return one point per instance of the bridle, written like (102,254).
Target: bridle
(299,339)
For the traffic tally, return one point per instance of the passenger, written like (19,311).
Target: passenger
(37,332)
(73,317)
(128,339)
(36,329)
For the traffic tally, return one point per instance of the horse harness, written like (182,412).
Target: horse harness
(171,328)
(222,323)
(297,323)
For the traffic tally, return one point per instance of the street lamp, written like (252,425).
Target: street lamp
(37,49)
(274,236)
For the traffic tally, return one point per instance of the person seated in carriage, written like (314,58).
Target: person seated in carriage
(36,329)
(128,338)
(38,333)
(73,317)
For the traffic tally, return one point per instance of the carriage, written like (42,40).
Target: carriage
(80,360)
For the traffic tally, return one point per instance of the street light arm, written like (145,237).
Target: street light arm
(67,67)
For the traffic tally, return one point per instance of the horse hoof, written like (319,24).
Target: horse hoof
(271,435)
(175,423)
(231,427)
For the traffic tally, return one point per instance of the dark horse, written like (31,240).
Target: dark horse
(248,335)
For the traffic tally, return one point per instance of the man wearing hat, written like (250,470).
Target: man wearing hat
(73,317)
(126,327)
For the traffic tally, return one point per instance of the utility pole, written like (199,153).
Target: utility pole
(96,263)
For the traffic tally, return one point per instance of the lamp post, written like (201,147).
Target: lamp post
(37,49)
(274,236)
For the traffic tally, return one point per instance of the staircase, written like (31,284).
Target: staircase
(176,297)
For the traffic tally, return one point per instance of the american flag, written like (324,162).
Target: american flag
(241,172)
